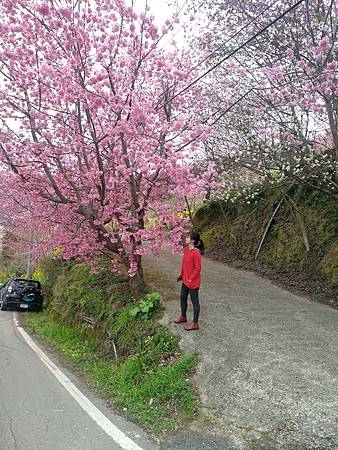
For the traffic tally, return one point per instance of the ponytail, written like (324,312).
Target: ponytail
(198,243)
(200,246)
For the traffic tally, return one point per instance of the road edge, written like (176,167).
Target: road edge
(101,420)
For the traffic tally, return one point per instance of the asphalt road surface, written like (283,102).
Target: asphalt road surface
(268,370)
(38,413)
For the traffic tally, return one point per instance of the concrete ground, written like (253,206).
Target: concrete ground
(268,368)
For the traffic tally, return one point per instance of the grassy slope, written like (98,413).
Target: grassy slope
(234,231)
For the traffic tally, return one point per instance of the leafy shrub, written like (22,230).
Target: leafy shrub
(146,307)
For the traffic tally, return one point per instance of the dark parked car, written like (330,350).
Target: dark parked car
(21,293)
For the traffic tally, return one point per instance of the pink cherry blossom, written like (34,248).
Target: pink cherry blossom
(95,156)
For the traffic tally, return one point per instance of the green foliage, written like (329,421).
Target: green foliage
(238,264)
(12,263)
(38,275)
(77,293)
(68,339)
(6,275)
(146,307)
(149,392)
(133,336)
(51,269)
(212,235)
(329,264)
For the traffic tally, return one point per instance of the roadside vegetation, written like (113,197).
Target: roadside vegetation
(116,343)
(288,233)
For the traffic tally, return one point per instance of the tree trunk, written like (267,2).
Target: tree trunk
(333,127)
(30,267)
(268,226)
(137,282)
(191,218)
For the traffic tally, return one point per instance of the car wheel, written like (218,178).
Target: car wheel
(3,306)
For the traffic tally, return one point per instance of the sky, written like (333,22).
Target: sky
(162,11)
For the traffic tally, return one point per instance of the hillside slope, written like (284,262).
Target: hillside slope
(233,231)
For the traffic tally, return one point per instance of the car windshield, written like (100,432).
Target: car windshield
(18,285)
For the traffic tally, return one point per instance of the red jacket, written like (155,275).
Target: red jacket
(191,268)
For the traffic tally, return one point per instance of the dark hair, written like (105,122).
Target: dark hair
(198,243)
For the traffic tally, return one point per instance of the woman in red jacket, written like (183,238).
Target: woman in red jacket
(191,279)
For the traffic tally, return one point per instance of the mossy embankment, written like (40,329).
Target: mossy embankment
(116,343)
(300,249)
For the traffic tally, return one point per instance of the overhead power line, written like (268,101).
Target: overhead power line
(233,36)
(217,119)
(214,52)
(236,50)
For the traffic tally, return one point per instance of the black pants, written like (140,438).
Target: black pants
(185,291)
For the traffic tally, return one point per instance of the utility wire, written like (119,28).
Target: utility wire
(214,52)
(233,36)
(236,50)
(218,118)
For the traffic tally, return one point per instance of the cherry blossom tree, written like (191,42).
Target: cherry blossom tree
(280,89)
(94,149)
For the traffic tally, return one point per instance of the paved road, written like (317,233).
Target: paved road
(37,413)
(267,376)
(268,372)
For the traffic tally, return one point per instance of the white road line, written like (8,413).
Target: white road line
(115,433)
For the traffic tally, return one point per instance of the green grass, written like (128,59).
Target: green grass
(67,339)
(152,384)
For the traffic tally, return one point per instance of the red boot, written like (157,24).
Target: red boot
(181,319)
(192,326)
